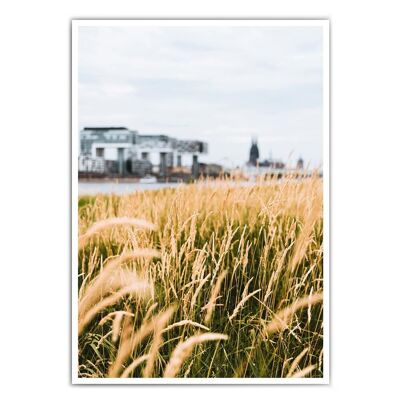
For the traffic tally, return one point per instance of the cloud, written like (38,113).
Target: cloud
(213,83)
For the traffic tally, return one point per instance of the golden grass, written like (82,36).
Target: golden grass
(241,303)
(243,263)
(296,361)
(110,223)
(133,366)
(282,318)
(183,350)
(158,330)
(209,307)
(305,371)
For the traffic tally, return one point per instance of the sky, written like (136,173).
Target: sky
(223,85)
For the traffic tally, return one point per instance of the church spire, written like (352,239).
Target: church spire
(254,153)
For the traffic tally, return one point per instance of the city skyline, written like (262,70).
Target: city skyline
(207,83)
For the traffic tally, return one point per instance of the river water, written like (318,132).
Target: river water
(92,188)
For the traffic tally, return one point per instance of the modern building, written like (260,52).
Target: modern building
(123,152)
(211,170)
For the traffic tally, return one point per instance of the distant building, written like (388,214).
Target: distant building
(273,164)
(120,151)
(255,167)
(254,153)
(211,170)
(300,163)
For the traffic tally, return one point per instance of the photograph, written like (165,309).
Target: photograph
(200,201)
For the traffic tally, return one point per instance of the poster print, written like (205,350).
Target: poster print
(200,203)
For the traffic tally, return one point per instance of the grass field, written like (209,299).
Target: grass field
(207,280)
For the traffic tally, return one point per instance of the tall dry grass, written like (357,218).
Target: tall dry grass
(212,279)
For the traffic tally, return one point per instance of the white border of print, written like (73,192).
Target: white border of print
(324,23)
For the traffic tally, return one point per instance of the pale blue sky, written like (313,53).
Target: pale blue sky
(222,85)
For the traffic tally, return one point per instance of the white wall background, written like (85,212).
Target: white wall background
(34,204)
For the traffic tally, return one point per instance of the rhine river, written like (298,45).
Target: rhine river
(93,188)
(118,188)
